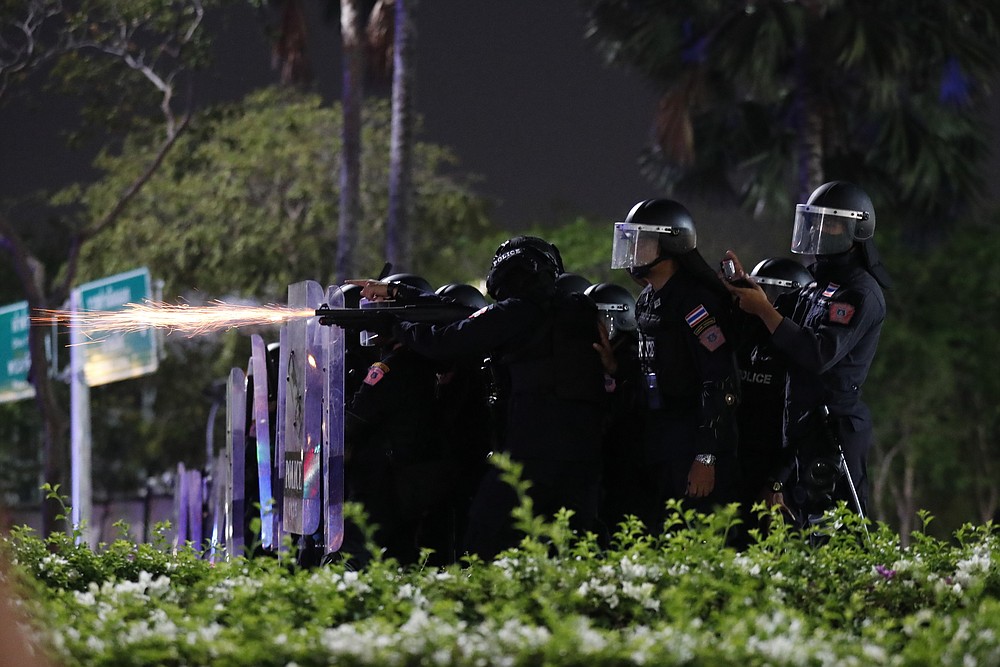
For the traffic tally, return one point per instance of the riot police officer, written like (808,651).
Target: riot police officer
(468,411)
(689,372)
(622,448)
(544,340)
(829,332)
(762,382)
(393,451)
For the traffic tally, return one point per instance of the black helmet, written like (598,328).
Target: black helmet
(523,266)
(541,245)
(837,214)
(653,229)
(777,275)
(352,295)
(467,295)
(410,279)
(570,283)
(616,304)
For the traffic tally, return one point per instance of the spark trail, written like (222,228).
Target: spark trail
(181,318)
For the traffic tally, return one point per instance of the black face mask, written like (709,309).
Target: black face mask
(641,272)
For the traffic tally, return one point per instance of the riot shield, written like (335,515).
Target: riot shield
(333,428)
(303,413)
(278,488)
(195,503)
(236,419)
(217,492)
(180,507)
(262,433)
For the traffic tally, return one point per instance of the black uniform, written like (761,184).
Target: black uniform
(829,335)
(763,373)
(623,447)
(392,444)
(554,414)
(692,389)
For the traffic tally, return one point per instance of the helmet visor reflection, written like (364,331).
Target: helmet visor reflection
(636,245)
(823,231)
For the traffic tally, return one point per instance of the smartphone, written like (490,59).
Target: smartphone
(729,273)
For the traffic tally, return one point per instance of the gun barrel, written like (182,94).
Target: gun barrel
(443,313)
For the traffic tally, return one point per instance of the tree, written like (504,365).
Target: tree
(129,59)
(934,385)
(352,96)
(240,210)
(398,237)
(242,207)
(770,98)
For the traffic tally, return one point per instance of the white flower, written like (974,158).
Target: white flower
(874,653)
(590,640)
(970,570)
(638,593)
(678,569)
(85,598)
(632,570)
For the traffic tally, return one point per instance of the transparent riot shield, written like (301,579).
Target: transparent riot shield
(195,504)
(278,488)
(333,428)
(236,419)
(180,507)
(217,491)
(262,434)
(303,436)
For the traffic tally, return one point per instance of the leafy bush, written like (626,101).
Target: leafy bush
(680,596)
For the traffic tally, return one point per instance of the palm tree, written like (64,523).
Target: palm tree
(762,95)
(352,98)
(398,234)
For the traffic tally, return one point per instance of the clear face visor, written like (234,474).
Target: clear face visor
(637,245)
(614,317)
(823,231)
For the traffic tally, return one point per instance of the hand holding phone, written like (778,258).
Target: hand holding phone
(729,273)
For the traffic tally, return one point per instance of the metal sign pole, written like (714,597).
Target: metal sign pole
(80,439)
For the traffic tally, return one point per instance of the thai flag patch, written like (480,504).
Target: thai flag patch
(830,290)
(696,315)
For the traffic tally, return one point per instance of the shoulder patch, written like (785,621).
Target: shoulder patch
(830,290)
(712,338)
(841,313)
(376,372)
(479,312)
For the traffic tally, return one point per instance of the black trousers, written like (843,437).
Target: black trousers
(574,485)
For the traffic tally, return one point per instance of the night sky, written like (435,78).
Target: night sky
(511,87)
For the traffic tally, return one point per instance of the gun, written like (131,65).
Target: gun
(382,315)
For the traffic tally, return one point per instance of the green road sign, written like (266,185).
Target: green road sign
(15,358)
(112,356)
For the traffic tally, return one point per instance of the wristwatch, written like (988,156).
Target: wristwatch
(705,459)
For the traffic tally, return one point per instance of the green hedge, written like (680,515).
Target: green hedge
(682,597)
